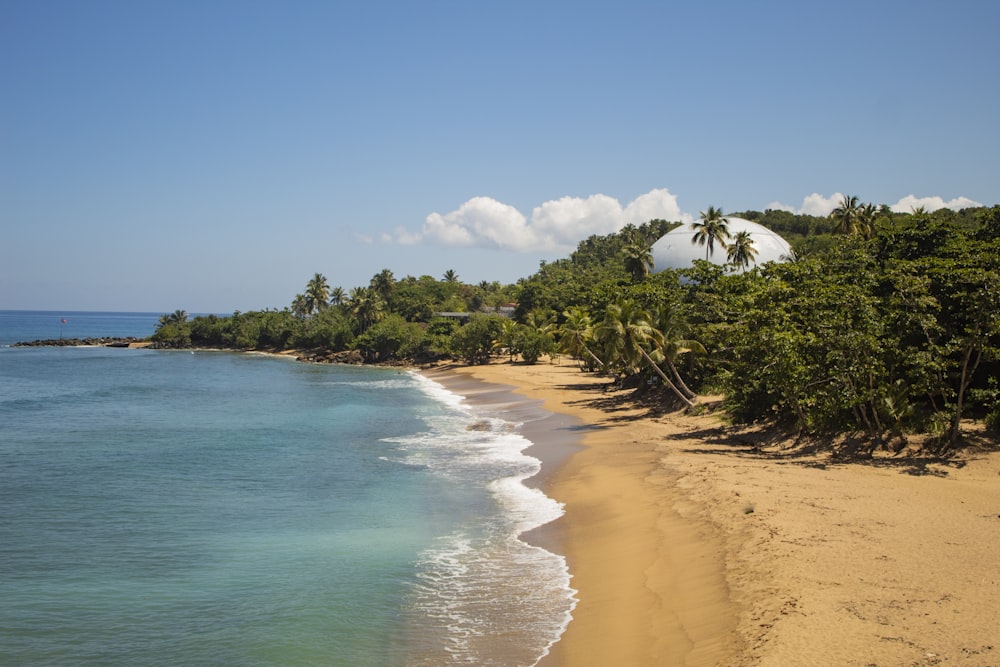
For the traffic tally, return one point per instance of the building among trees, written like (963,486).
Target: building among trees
(679,247)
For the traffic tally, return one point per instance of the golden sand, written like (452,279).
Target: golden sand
(688,548)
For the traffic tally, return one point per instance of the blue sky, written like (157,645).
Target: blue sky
(213,155)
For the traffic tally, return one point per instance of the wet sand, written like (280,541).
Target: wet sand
(691,546)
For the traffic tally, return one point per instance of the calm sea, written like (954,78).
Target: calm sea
(179,508)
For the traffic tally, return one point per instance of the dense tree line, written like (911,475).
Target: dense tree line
(883,323)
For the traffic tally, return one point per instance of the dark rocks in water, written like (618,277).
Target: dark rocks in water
(77,342)
(352,357)
(479,425)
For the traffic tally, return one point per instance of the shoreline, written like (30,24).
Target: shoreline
(689,544)
(640,538)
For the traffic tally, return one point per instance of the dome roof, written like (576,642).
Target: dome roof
(675,249)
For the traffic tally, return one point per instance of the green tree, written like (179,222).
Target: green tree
(626,332)
(507,338)
(392,338)
(173,330)
(383,283)
(711,228)
(474,340)
(675,331)
(532,343)
(300,306)
(575,335)
(741,251)
(176,317)
(328,329)
(317,293)
(638,258)
(850,217)
(367,307)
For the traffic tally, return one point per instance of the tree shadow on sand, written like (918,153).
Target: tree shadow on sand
(784,446)
(776,442)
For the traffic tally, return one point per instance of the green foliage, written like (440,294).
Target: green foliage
(171,335)
(891,325)
(392,338)
(878,335)
(210,331)
(532,343)
(439,332)
(173,330)
(474,340)
(331,330)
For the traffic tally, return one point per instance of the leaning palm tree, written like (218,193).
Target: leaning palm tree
(712,228)
(626,332)
(669,319)
(741,251)
(575,334)
(638,257)
(317,293)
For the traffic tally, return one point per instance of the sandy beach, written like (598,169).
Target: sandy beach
(693,543)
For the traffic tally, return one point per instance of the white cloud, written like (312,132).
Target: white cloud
(481,221)
(814,204)
(562,223)
(558,224)
(817,204)
(910,202)
(657,204)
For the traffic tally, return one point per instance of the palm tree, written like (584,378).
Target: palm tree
(383,282)
(866,220)
(638,259)
(626,332)
(741,251)
(450,276)
(317,293)
(337,296)
(176,317)
(300,306)
(674,327)
(507,340)
(367,306)
(575,333)
(711,228)
(848,216)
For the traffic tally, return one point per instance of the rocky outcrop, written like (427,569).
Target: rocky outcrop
(352,357)
(77,342)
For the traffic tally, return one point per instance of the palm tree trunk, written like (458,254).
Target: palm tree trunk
(963,384)
(593,356)
(680,382)
(663,376)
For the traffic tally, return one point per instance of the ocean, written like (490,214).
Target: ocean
(210,508)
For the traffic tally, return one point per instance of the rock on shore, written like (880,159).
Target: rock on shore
(77,342)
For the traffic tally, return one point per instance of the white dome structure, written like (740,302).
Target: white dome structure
(675,249)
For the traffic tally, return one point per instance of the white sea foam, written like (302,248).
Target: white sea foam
(402,382)
(488,596)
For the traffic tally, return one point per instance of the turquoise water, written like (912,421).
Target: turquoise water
(166,508)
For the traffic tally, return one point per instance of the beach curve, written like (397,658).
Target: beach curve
(688,553)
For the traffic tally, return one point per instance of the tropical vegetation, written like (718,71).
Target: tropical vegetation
(881,324)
